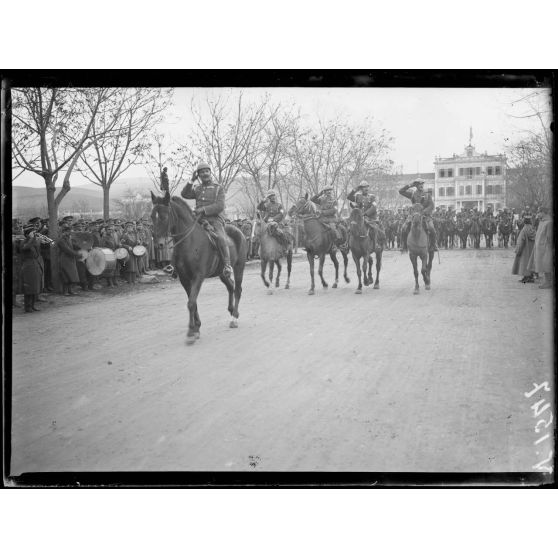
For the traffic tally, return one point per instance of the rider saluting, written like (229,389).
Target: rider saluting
(210,205)
(366,202)
(271,209)
(328,209)
(425,200)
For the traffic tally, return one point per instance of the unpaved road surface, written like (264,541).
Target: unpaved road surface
(383,381)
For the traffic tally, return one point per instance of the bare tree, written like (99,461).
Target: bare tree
(135,111)
(224,133)
(133,205)
(160,154)
(51,129)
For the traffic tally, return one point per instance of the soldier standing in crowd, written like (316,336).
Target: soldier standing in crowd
(129,240)
(425,200)
(17,239)
(210,205)
(67,258)
(31,268)
(36,222)
(327,213)
(107,241)
(45,254)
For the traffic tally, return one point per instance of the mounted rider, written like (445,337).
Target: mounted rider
(210,206)
(272,211)
(327,212)
(366,202)
(425,200)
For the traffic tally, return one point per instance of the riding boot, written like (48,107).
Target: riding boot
(28,302)
(404,240)
(34,300)
(433,242)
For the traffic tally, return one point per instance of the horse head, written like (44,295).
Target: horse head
(356,221)
(304,206)
(160,215)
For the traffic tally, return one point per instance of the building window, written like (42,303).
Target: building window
(489,171)
(470,171)
(461,171)
(468,190)
(498,189)
(461,190)
(450,191)
(450,173)
(442,173)
(477,171)
(488,189)
(497,170)
(479,189)
(441,192)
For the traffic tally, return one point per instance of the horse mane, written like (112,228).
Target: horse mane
(356,215)
(181,207)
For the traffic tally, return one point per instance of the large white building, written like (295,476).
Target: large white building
(470,180)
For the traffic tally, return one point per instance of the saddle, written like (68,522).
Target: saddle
(210,232)
(275,230)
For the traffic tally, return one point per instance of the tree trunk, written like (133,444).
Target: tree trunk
(52,230)
(106,200)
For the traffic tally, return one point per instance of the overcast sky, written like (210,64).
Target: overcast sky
(423,122)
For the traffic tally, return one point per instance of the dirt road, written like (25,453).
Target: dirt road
(383,381)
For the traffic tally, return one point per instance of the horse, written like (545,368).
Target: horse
(488,225)
(418,246)
(475,231)
(450,231)
(272,251)
(317,242)
(362,246)
(195,257)
(504,232)
(462,227)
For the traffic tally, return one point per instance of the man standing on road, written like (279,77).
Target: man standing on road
(425,200)
(210,205)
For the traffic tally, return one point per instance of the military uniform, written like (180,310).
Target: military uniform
(328,211)
(210,198)
(31,270)
(67,262)
(425,200)
(367,204)
(271,210)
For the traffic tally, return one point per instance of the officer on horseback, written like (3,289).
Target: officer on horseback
(425,200)
(366,202)
(327,212)
(272,212)
(210,206)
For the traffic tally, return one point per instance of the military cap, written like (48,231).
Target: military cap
(28,228)
(328,189)
(34,220)
(202,166)
(418,181)
(363,184)
(129,223)
(270,193)
(67,218)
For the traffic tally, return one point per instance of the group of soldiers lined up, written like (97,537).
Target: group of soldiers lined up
(31,249)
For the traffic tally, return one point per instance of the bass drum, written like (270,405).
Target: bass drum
(101,261)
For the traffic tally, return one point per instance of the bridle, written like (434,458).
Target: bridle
(185,234)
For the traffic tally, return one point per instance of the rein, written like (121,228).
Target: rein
(185,234)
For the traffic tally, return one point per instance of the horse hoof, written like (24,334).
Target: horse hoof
(287,287)
(311,292)
(358,291)
(270,291)
(347,280)
(190,340)
(334,286)
(427,287)
(376,286)
(416,291)
(233,324)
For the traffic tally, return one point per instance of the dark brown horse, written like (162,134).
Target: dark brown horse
(195,257)
(504,232)
(475,231)
(419,247)
(488,225)
(318,242)
(362,246)
(271,251)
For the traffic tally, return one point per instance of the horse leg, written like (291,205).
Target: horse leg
(289,266)
(333,257)
(271,268)
(345,264)
(359,273)
(238,275)
(378,267)
(263,265)
(370,266)
(230,306)
(310,256)
(279,268)
(413,258)
(194,325)
(321,269)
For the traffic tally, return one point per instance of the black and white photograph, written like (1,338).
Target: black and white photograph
(312,279)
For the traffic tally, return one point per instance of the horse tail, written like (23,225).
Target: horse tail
(238,238)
